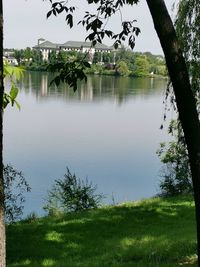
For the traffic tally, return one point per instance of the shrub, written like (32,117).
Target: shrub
(122,68)
(31,217)
(176,168)
(71,194)
(15,186)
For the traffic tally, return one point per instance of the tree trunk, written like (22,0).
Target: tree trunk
(184,97)
(2,220)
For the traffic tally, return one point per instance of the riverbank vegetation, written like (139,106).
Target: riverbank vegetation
(154,232)
(123,62)
(174,154)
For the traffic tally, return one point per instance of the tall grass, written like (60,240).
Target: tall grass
(155,232)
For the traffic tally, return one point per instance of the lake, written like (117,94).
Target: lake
(107,131)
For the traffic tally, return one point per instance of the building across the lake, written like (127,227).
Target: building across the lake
(8,57)
(47,47)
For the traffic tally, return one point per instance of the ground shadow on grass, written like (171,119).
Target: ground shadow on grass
(154,233)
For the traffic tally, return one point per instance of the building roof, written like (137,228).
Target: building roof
(78,44)
(46,44)
(103,46)
(71,44)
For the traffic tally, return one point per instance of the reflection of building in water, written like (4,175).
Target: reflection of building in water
(44,85)
(87,91)
(47,47)
(151,82)
(97,88)
(41,84)
(30,86)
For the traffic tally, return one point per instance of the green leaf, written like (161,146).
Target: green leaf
(13,92)
(13,72)
(6,100)
(17,105)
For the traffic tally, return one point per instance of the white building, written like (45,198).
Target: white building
(10,61)
(47,47)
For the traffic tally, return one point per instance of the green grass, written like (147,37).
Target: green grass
(154,232)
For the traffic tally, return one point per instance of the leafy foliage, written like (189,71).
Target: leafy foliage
(30,58)
(188,31)
(176,172)
(96,25)
(138,64)
(69,72)
(72,194)
(13,74)
(15,186)
(31,217)
(11,97)
(141,66)
(122,68)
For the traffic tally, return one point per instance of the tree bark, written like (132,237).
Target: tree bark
(185,100)
(2,211)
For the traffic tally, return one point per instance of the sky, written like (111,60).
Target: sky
(25,22)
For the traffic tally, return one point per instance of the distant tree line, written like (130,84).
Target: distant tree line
(123,62)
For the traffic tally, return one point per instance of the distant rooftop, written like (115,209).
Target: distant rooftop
(46,44)
(84,44)
(69,44)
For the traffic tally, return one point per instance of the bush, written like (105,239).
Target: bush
(15,186)
(176,168)
(122,68)
(71,194)
(109,72)
(31,217)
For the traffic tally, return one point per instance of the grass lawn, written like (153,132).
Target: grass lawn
(153,232)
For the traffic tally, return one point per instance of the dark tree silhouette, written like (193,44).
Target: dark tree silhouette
(2,219)
(185,100)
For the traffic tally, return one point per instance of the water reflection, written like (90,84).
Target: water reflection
(97,88)
(108,131)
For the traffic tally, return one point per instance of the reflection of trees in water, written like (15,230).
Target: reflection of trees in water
(97,88)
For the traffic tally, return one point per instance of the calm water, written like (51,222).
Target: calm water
(107,131)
